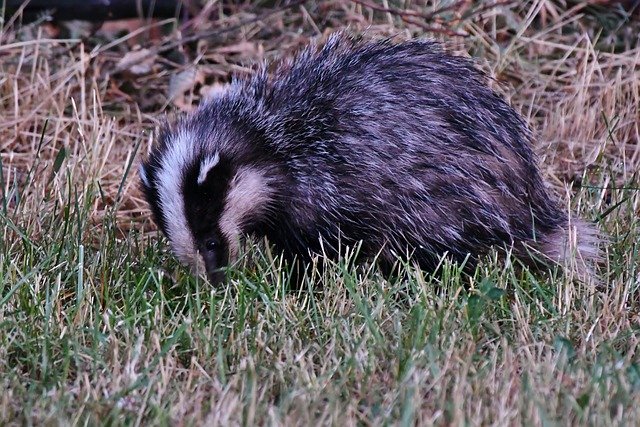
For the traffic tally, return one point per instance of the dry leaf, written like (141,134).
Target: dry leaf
(138,62)
(182,82)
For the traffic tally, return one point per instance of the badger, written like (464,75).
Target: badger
(399,148)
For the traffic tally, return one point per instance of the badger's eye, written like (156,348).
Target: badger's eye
(211,245)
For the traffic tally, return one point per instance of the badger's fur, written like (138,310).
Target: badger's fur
(401,148)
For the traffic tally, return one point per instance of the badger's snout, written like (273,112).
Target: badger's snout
(215,257)
(216,277)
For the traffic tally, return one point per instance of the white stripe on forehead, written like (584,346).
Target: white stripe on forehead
(181,151)
(207,164)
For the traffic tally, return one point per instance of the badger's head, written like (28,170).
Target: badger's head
(207,184)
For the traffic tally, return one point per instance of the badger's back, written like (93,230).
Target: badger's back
(406,148)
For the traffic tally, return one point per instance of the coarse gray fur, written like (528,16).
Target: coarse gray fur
(400,147)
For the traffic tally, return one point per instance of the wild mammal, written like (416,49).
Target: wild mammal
(401,147)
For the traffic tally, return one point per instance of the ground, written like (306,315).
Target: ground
(99,324)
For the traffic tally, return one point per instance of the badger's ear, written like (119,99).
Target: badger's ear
(206,165)
(144,177)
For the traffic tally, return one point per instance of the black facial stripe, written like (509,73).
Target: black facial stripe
(216,258)
(204,203)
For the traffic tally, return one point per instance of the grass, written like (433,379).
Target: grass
(100,325)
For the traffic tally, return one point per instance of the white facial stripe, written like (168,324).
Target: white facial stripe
(207,164)
(180,152)
(248,193)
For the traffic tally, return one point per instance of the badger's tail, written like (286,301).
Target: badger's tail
(576,247)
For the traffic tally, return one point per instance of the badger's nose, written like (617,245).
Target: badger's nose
(216,277)
(212,266)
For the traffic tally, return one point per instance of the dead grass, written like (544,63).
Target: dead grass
(99,325)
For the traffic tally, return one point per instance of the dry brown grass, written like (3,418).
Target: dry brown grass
(97,325)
